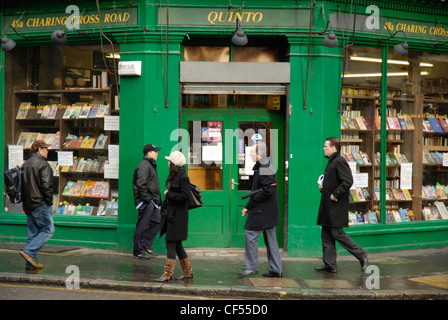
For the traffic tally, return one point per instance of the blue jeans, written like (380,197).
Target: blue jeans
(40,228)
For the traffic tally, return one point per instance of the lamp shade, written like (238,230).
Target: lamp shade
(239,38)
(330,40)
(7,44)
(402,49)
(59,37)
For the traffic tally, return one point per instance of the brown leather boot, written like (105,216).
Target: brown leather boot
(186,268)
(168,271)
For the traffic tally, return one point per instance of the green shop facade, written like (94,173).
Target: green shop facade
(168,73)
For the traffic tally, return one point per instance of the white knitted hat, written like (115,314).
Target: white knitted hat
(177,158)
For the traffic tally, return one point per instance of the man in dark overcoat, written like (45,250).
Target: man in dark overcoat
(333,211)
(263,216)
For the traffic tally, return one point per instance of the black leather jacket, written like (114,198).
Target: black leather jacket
(37,186)
(146,182)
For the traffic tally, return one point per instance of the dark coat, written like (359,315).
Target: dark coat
(263,207)
(37,186)
(146,182)
(337,181)
(175,208)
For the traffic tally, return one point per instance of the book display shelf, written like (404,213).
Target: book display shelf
(416,174)
(72,121)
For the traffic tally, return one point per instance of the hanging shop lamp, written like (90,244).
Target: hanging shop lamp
(239,37)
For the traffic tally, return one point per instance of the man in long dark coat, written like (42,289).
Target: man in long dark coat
(263,216)
(333,211)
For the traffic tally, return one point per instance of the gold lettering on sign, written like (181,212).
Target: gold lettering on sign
(215,17)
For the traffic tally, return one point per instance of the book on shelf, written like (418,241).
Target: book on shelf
(372,217)
(23,138)
(84,112)
(53,112)
(88,187)
(23,110)
(365,158)
(409,123)
(102,207)
(443,212)
(44,112)
(71,210)
(93,112)
(75,112)
(435,124)
(100,189)
(402,121)
(357,157)
(427,126)
(443,124)
(79,185)
(68,188)
(67,112)
(101,143)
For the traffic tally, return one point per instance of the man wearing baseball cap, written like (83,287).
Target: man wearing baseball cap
(147,201)
(37,198)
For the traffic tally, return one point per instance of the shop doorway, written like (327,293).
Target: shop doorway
(216,143)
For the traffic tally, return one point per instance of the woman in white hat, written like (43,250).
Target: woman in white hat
(175,218)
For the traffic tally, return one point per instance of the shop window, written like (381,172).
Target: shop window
(359,103)
(255,54)
(417,108)
(203,53)
(66,96)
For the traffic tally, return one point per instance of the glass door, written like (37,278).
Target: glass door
(268,128)
(203,141)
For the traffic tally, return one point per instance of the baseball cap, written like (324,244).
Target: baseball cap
(177,158)
(150,147)
(39,144)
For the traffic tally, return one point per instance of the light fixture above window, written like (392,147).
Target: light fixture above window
(9,44)
(239,37)
(330,40)
(401,48)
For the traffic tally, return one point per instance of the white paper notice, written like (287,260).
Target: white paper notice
(249,163)
(113,150)
(112,123)
(65,158)
(445,160)
(111,171)
(15,155)
(361,180)
(352,165)
(406,176)
(212,153)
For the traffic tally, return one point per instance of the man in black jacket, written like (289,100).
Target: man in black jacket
(147,201)
(333,210)
(37,198)
(263,216)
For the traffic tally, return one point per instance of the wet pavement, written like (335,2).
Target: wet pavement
(400,275)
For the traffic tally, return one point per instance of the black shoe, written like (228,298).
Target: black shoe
(246,273)
(272,274)
(142,256)
(326,269)
(151,252)
(364,263)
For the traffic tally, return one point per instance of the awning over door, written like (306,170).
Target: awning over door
(234,78)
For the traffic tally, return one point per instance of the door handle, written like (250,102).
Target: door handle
(234,183)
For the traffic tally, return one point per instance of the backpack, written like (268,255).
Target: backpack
(13,184)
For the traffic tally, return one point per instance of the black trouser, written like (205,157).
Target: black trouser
(175,247)
(329,235)
(148,225)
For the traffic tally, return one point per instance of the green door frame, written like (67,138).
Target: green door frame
(219,222)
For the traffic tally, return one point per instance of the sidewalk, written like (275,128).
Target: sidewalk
(403,275)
